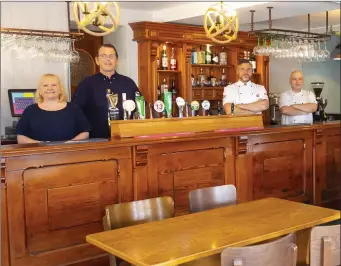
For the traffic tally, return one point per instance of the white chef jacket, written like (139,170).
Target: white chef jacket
(240,93)
(289,98)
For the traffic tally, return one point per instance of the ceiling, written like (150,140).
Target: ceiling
(284,16)
(147,6)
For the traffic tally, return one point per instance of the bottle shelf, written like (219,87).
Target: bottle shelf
(207,87)
(211,65)
(169,71)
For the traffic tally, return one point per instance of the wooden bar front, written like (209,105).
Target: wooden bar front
(53,196)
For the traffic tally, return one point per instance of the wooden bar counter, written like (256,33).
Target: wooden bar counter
(53,196)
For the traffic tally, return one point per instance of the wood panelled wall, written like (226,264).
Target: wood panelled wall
(52,197)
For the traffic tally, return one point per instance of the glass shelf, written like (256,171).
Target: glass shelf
(169,71)
(211,65)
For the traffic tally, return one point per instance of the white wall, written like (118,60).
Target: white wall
(23,74)
(127,51)
(327,72)
(122,39)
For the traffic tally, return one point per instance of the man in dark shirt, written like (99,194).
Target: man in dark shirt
(91,93)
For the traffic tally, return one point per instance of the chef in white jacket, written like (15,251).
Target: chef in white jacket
(297,105)
(244,96)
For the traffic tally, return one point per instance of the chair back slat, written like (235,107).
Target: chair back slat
(280,252)
(212,197)
(325,246)
(133,213)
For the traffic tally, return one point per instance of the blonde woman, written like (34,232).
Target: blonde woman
(51,118)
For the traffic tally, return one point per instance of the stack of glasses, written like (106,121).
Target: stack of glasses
(46,48)
(294,48)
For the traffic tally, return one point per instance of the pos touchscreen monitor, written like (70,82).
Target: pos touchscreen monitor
(19,99)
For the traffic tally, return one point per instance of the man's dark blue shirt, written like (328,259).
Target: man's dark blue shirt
(90,96)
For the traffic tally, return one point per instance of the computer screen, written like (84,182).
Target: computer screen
(19,99)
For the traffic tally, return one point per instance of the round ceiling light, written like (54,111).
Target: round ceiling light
(89,15)
(221,23)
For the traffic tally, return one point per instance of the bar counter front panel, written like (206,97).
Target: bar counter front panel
(53,196)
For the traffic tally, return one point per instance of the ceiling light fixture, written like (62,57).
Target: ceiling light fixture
(221,23)
(96,14)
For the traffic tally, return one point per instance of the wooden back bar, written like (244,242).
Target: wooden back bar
(53,196)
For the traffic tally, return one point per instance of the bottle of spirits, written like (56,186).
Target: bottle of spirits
(208,56)
(174,91)
(219,108)
(164,88)
(158,92)
(194,83)
(215,58)
(213,80)
(223,57)
(223,78)
(164,58)
(203,56)
(194,56)
(158,63)
(253,62)
(200,58)
(173,60)
(202,78)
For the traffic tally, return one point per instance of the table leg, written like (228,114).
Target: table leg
(302,241)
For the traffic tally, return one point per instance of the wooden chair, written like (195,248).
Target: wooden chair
(280,252)
(325,246)
(212,197)
(136,212)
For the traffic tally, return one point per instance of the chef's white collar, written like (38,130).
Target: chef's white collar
(240,83)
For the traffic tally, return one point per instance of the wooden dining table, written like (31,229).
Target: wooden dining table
(194,236)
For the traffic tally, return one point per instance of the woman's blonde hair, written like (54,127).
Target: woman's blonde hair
(62,96)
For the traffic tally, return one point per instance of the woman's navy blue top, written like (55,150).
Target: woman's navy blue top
(61,125)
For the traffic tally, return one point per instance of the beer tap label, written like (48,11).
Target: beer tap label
(159,106)
(206,105)
(129,105)
(195,105)
(180,101)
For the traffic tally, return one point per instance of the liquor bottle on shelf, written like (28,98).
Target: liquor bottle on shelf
(164,88)
(208,56)
(223,78)
(200,58)
(173,60)
(158,63)
(194,83)
(164,58)
(215,58)
(174,91)
(194,56)
(253,63)
(203,56)
(201,78)
(223,57)
(219,108)
(158,92)
(213,80)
